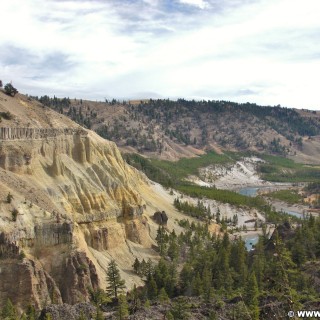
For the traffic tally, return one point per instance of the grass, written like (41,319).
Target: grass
(279,169)
(225,196)
(189,166)
(170,173)
(288,196)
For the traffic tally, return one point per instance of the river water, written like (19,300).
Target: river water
(253,191)
(250,241)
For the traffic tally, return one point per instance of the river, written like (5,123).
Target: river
(253,191)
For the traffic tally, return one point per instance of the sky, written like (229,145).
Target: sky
(261,51)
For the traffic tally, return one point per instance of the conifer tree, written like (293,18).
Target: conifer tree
(207,284)
(82,316)
(136,266)
(163,296)
(122,312)
(152,288)
(169,316)
(161,240)
(115,283)
(180,309)
(173,249)
(31,312)
(99,315)
(197,289)
(259,262)
(251,296)
(9,197)
(8,311)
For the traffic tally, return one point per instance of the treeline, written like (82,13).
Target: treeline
(77,111)
(199,211)
(148,125)
(283,120)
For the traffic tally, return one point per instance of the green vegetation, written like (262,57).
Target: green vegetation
(279,169)
(8,311)
(224,196)
(216,270)
(10,90)
(289,196)
(115,283)
(14,214)
(189,166)
(6,115)
(170,173)
(9,197)
(122,312)
(313,187)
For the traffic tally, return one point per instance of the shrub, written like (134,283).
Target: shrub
(10,90)
(14,213)
(9,197)
(6,115)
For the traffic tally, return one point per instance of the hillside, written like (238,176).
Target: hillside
(68,205)
(173,129)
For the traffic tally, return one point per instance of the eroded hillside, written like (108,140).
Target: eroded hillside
(68,204)
(174,129)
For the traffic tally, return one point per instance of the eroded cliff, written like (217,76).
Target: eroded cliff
(68,204)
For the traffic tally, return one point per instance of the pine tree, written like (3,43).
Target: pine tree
(163,296)
(169,316)
(152,288)
(136,266)
(197,289)
(31,312)
(251,296)
(207,284)
(180,309)
(186,275)
(135,301)
(8,311)
(161,240)
(173,249)
(82,316)
(9,197)
(259,262)
(115,283)
(99,315)
(122,312)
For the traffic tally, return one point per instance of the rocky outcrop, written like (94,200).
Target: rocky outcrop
(160,218)
(24,282)
(77,277)
(13,133)
(51,234)
(68,312)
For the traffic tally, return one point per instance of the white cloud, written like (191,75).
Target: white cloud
(198,3)
(264,51)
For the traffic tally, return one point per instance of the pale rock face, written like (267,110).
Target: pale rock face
(74,194)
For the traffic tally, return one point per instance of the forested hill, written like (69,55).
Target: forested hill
(182,128)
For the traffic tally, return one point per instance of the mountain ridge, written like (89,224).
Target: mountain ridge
(170,130)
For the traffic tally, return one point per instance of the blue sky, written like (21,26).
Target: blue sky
(263,51)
